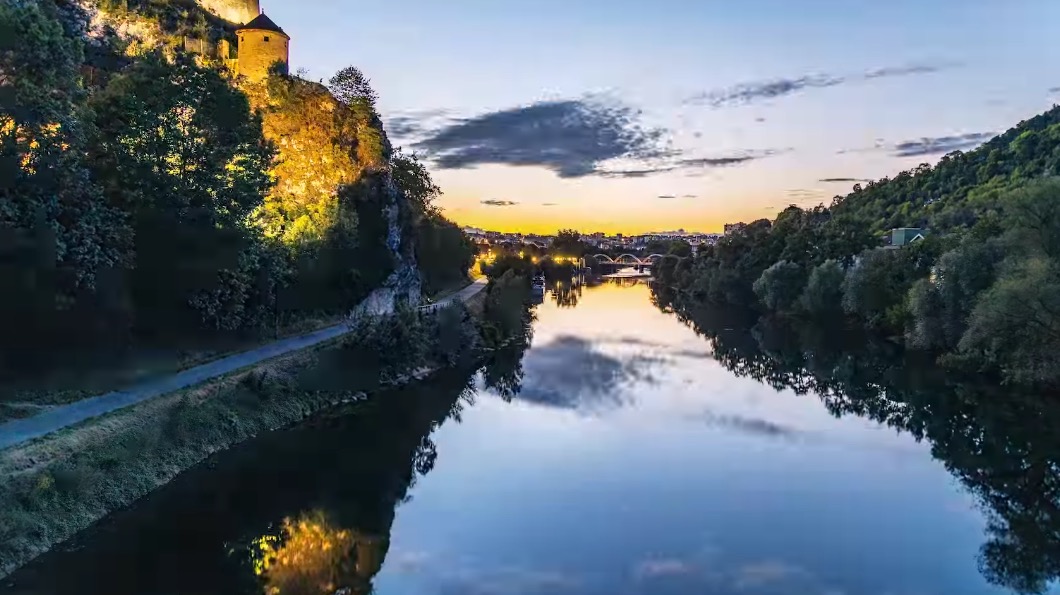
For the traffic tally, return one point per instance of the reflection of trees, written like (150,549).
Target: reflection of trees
(503,372)
(1004,447)
(566,293)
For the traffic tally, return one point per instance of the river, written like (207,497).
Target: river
(622,453)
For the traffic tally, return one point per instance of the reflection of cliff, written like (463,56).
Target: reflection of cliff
(1004,447)
(311,557)
(295,512)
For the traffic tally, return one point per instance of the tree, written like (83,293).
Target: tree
(180,152)
(824,289)
(874,288)
(780,285)
(568,242)
(351,87)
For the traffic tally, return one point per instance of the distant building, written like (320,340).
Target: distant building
(734,227)
(903,236)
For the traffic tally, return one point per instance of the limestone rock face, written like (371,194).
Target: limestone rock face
(239,12)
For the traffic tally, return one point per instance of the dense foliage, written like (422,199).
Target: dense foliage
(165,202)
(980,289)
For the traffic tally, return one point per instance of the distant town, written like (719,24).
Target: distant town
(600,240)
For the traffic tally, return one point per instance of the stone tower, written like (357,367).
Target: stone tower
(233,11)
(262,43)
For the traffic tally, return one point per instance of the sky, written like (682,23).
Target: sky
(631,117)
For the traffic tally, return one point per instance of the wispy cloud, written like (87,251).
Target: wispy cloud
(549,204)
(745,93)
(690,196)
(694,164)
(907,70)
(755,91)
(940,144)
(843,180)
(667,196)
(499,203)
(569,137)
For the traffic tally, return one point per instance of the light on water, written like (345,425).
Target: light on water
(617,455)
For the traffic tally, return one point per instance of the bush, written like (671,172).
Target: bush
(780,286)
(824,289)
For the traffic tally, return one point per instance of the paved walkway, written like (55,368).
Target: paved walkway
(20,430)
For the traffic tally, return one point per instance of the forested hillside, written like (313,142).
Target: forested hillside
(147,196)
(981,291)
(962,187)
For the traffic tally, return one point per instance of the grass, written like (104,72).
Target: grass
(83,378)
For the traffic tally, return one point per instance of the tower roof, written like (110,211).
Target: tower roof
(263,23)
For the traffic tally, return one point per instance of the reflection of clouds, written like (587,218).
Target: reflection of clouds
(663,348)
(509,581)
(569,373)
(750,425)
(665,567)
(768,573)
(408,561)
(707,571)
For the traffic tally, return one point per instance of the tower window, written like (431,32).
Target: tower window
(266,38)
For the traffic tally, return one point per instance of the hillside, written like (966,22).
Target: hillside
(981,292)
(962,187)
(152,197)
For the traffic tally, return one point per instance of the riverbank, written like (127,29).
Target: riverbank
(57,485)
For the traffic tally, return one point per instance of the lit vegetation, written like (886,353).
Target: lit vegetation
(162,205)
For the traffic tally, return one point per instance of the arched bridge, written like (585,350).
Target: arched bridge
(628,259)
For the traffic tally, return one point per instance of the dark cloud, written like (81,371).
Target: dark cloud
(760,119)
(940,144)
(569,137)
(637,173)
(751,92)
(549,204)
(1054,90)
(843,180)
(404,126)
(667,196)
(499,203)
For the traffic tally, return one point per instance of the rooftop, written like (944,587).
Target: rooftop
(263,23)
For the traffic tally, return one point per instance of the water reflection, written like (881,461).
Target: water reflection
(571,373)
(1002,445)
(302,512)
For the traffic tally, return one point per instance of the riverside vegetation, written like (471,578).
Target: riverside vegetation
(980,294)
(149,199)
(57,486)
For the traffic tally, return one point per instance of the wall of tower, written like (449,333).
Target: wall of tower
(233,11)
(259,50)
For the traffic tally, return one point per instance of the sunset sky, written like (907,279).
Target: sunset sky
(626,116)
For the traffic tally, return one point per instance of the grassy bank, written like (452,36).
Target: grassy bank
(54,487)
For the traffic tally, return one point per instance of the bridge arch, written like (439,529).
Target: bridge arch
(629,259)
(603,258)
(655,257)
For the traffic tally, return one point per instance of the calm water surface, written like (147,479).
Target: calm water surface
(615,456)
